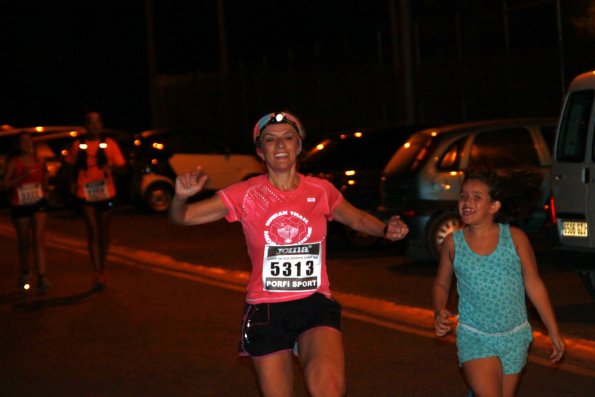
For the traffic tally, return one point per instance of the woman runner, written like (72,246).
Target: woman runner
(27,179)
(284,217)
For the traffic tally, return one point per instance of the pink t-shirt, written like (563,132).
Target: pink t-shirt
(285,235)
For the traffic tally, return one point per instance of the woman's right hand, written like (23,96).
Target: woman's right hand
(443,322)
(190,183)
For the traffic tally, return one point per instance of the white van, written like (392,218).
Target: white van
(573,178)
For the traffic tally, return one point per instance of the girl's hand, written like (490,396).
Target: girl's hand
(190,183)
(443,322)
(396,229)
(558,346)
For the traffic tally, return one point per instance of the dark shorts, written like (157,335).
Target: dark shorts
(26,211)
(273,327)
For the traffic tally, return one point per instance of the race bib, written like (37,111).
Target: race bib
(29,193)
(291,268)
(96,191)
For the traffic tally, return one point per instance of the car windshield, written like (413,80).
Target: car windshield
(574,127)
(412,154)
(350,151)
(184,141)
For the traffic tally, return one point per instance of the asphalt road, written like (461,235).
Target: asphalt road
(169,322)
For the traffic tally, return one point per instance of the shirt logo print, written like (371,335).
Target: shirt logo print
(287,232)
(287,227)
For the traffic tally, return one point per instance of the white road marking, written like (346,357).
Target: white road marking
(580,355)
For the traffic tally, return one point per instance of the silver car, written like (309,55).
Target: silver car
(422,180)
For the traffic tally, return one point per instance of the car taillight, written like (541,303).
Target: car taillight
(553,211)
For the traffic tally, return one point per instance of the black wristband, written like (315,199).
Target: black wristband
(385,230)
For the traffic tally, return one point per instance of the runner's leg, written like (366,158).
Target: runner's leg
(39,221)
(511,383)
(90,214)
(103,219)
(323,359)
(484,376)
(21,226)
(275,374)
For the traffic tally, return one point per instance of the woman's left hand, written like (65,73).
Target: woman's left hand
(558,346)
(396,229)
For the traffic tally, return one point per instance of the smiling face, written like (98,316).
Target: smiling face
(476,206)
(279,146)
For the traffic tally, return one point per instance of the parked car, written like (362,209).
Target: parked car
(158,156)
(353,162)
(423,178)
(53,143)
(573,178)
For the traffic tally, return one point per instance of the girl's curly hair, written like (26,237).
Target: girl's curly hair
(517,191)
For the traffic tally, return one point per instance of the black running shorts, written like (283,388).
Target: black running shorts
(25,211)
(273,327)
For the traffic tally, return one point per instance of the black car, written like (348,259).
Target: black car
(353,162)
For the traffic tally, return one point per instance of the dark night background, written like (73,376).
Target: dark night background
(63,58)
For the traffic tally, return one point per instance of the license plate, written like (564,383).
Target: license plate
(575,229)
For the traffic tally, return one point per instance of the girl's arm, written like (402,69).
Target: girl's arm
(536,291)
(364,222)
(204,211)
(441,287)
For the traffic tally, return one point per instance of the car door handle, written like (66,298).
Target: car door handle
(586,175)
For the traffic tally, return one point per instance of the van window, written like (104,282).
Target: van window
(502,149)
(574,126)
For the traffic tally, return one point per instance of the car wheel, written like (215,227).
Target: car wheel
(440,227)
(158,197)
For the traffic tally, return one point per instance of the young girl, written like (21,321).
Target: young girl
(26,178)
(495,267)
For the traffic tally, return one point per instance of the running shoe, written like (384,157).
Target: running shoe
(99,281)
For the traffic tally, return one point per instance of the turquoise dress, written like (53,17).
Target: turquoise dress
(492,309)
